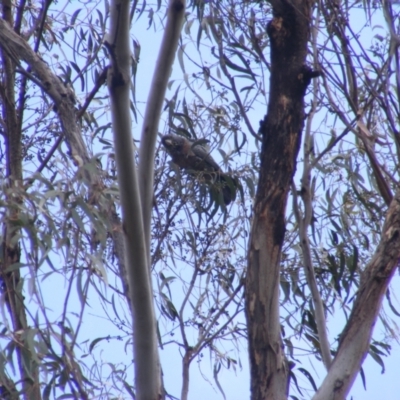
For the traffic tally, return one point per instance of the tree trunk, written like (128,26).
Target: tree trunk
(12,284)
(281,136)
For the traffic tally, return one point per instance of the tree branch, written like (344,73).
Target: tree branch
(147,366)
(64,99)
(356,337)
(304,222)
(169,44)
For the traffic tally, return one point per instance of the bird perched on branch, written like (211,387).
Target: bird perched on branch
(193,157)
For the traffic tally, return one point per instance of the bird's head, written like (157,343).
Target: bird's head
(172,142)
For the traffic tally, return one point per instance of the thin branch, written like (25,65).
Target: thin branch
(222,58)
(219,313)
(330,146)
(319,313)
(304,221)
(101,79)
(27,74)
(46,160)
(367,139)
(362,133)
(19,15)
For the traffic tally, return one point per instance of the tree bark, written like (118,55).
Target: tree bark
(281,136)
(12,283)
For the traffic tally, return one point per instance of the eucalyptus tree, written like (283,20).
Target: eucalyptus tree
(94,204)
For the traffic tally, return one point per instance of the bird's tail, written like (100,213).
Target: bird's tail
(229,186)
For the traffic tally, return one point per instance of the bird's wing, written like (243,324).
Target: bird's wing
(189,155)
(204,158)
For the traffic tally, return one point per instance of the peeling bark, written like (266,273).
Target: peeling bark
(281,133)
